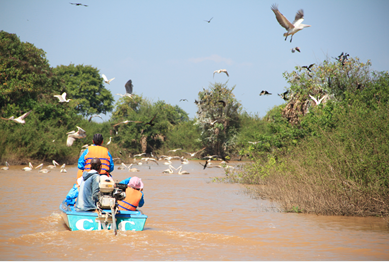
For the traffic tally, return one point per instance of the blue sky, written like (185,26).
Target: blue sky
(170,52)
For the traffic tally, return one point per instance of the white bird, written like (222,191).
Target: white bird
(20,119)
(5,167)
(317,102)
(174,150)
(29,168)
(220,71)
(73,135)
(193,154)
(62,98)
(39,166)
(44,170)
(109,142)
(132,169)
(254,143)
(184,161)
(147,159)
(122,166)
(290,28)
(169,170)
(141,154)
(182,172)
(63,170)
(55,163)
(106,79)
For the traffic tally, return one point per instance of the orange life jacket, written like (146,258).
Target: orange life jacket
(99,152)
(131,202)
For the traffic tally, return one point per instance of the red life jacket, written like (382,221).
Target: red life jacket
(131,202)
(101,153)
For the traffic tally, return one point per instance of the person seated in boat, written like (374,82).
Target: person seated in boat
(96,150)
(89,187)
(134,194)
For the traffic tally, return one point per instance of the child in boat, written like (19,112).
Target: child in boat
(134,194)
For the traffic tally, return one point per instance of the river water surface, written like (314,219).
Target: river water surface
(189,218)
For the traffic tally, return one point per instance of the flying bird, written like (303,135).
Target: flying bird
(193,154)
(184,100)
(283,95)
(106,79)
(294,49)
(208,21)
(220,71)
(20,119)
(90,119)
(264,92)
(128,121)
(174,150)
(316,101)
(308,67)
(73,135)
(205,165)
(290,28)
(129,88)
(151,121)
(62,98)
(78,4)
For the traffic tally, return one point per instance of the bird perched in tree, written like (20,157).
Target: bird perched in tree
(208,21)
(78,4)
(20,119)
(73,135)
(220,71)
(308,67)
(129,88)
(290,28)
(62,98)
(106,79)
(294,49)
(264,92)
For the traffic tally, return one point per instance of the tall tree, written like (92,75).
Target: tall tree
(25,75)
(218,118)
(84,85)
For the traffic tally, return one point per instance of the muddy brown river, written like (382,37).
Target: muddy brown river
(189,218)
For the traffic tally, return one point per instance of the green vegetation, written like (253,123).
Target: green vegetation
(331,158)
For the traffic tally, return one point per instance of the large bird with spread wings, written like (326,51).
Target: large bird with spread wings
(290,28)
(129,88)
(73,135)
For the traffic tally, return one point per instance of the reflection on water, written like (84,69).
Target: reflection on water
(190,218)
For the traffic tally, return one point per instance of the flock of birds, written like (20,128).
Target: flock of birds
(291,28)
(30,167)
(140,159)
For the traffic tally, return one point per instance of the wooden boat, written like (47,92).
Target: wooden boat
(124,220)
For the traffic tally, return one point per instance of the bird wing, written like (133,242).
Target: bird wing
(314,99)
(59,97)
(281,18)
(24,115)
(80,131)
(70,140)
(321,99)
(225,71)
(299,18)
(129,86)
(109,81)
(105,78)
(64,95)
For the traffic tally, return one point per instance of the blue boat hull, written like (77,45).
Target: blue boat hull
(88,221)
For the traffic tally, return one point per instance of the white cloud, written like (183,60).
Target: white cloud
(214,58)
